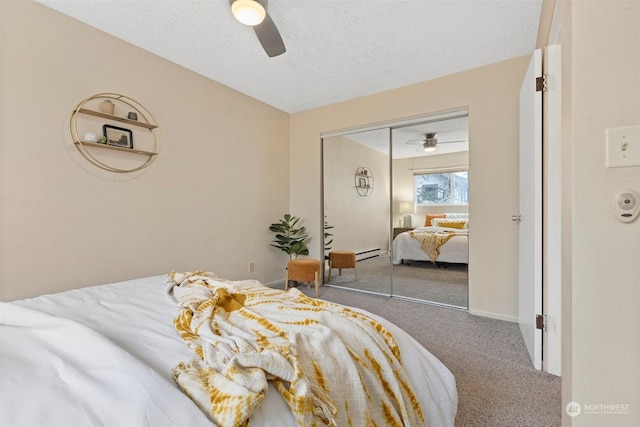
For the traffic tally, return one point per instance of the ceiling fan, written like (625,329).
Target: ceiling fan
(429,142)
(254,13)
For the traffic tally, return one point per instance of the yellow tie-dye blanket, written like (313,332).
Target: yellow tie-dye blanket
(430,241)
(332,365)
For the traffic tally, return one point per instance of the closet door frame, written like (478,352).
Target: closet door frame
(390,126)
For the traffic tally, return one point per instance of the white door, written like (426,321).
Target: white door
(530,215)
(552,213)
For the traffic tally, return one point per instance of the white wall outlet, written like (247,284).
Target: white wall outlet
(623,147)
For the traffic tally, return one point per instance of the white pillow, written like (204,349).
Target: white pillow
(462,215)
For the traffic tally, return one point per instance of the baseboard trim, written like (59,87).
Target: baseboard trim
(371,253)
(492,315)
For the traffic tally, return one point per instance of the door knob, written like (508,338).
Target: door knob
(516,218)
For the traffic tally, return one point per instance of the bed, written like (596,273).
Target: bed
(107,355)
(410,245)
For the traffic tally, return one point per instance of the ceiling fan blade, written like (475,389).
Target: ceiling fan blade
(269,37)
(414,141)
(451,142)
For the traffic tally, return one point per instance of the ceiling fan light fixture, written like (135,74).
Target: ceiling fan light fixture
(248,12)
(429,146)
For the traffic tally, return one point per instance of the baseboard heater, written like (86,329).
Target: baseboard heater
(371,253)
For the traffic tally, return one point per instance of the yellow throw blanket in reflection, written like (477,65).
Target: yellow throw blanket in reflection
(430,241)
(332,365)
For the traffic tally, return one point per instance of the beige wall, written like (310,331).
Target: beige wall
(360,223)
(602,40)
(491,94)
(206,203)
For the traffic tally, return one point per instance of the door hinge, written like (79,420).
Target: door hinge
(544,83)
(541,322)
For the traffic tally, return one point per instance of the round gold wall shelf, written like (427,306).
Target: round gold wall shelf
(364,181)
(141,121)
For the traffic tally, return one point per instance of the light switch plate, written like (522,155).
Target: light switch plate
(623,147)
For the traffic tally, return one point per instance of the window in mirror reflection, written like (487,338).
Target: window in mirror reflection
(442,188)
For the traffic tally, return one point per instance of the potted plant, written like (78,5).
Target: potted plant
(288,238)
(328,239)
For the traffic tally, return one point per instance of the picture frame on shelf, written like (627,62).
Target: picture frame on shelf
(117,136)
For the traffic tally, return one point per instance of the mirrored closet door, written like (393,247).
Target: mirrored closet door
(356,196)
(397,197)
(430,249)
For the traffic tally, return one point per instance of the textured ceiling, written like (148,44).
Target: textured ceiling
(406,141)
(336,49)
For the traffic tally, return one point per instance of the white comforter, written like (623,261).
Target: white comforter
(456,250)
(103,356)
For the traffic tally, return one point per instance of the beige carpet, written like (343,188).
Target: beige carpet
(445,283)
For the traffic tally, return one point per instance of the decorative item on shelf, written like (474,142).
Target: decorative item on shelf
(104,105)
(90,137)
(406,208)
(107,106)
(364,181)
(119,137)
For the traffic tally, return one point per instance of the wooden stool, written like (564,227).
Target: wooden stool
(340,260)
(303,270)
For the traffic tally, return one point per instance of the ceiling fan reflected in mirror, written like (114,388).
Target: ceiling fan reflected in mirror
(429,142)
(254,13)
